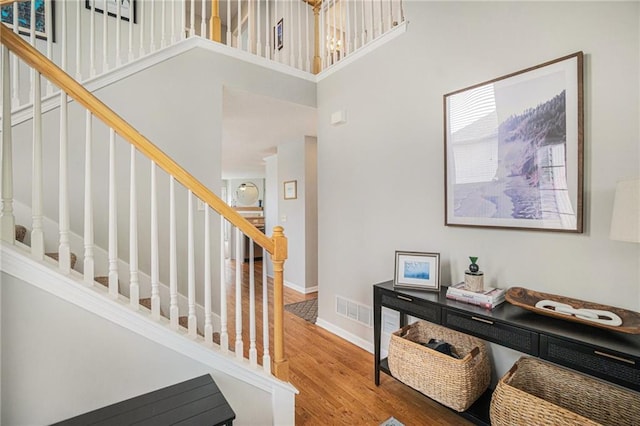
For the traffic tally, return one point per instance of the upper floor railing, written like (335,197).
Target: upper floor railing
(309,35)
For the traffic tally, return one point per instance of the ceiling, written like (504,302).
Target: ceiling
(252,128)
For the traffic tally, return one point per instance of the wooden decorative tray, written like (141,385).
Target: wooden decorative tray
(527,299)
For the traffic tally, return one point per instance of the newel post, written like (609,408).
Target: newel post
(317,63)
(280,363)
(215,23)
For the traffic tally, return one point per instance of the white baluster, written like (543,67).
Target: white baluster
(347,46)
(130,57)
(390,14)
(371,23)
(299,39)
(239,346)
(334,37)
(173,257)
(224,335)
(79,38)
(173,23)
(134,283)
(16,64)
(253,352)
(381,19)
(191,272)
(228,22)
(258,34)
(249,29)
(118,31)
(183,21)
(37,235)
(7,219)
(155,264)
(113,217)
(401,11)
(203,24)
(152,27)
(239,27)
(267,28)
(208,326)
(292,41)
(47,25)
(364,26)
(64,253)
(92,41)
(276,55)
(32,38)
(356,39)
(266,357)
(141,21)
(163,20)
(89,266)
(192,18)
(105,38)
(340,40)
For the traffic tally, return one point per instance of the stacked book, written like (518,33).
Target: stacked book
(488,298)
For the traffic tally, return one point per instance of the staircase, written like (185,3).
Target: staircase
(120,292)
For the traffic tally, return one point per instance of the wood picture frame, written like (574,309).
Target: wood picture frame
(417,270)
(514,150)
(291,190)
(127,8)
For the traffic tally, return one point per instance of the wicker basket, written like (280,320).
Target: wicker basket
(535,392)
(456,383)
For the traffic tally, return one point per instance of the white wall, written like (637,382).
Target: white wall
(311,212)
(381,184)
(271,199)
(59,360)
(296,161)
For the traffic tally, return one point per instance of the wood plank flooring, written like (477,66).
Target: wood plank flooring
(334,377)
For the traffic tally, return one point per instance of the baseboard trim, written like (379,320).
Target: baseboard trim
(350,337)
(300,289)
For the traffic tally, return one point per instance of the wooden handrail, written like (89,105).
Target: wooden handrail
(81,95)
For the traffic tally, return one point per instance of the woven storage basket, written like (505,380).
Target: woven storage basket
(535,392)
(456,383)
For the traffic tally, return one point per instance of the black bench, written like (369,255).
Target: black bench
(194,402)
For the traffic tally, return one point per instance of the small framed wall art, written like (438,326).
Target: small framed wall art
(416,270)
(20,13)
(291,190)
(127,8)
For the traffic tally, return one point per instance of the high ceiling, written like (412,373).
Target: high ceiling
(252,128)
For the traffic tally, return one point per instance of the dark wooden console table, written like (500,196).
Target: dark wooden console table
(611,356)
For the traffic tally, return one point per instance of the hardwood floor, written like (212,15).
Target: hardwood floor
(334,377)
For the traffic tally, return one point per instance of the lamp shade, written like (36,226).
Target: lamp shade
(625,222)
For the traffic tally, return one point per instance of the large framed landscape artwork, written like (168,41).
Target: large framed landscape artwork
(514,150)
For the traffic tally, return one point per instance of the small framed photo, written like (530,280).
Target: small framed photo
(279,35)
(419,271)
(291,190)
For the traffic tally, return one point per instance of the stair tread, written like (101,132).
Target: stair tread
(21,232)
(73,257)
